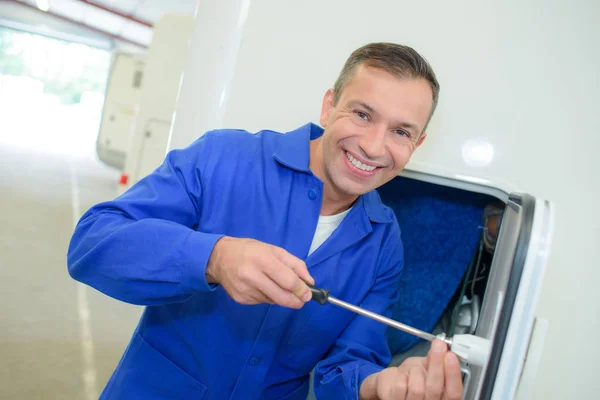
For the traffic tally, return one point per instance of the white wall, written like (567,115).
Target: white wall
(521,77)
(206,84)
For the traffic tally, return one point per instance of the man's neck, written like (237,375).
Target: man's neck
(332,206)
(333,202)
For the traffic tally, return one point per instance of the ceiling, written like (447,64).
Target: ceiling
(122,24)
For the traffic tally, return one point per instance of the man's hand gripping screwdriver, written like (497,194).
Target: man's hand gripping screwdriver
(469,348)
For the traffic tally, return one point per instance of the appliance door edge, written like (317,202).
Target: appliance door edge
(518,335)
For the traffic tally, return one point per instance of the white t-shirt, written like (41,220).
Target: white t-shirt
(325,227)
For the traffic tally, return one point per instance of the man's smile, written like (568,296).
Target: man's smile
(360,167)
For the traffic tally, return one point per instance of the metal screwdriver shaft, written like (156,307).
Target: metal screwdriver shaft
(471,349)
(322,296)
(382,319)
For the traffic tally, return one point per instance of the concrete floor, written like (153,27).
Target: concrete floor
(58,338)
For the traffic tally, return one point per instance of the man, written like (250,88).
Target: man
(220,241)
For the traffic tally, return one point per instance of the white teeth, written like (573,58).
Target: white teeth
(358,164)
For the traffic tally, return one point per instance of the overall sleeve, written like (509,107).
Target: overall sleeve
(143,247)
(363,349)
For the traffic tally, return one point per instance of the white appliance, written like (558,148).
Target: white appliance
(272,64)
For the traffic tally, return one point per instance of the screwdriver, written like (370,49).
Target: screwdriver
(472,349)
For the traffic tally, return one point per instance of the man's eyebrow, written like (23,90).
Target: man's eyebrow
(363,105)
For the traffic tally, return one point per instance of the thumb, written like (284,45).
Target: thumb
(368,389)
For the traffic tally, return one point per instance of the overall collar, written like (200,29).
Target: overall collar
(293,148)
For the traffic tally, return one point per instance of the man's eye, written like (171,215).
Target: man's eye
(402,133)
(361,115)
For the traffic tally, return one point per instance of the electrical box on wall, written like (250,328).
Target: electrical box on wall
(121,103)
(142,139)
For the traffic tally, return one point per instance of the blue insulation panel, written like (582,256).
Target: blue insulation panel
(440,231)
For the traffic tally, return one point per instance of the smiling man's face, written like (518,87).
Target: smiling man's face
(372,131)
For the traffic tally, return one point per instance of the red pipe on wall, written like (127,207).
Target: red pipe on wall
(83,25)
(120,14)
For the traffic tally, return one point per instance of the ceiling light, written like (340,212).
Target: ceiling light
(42,5)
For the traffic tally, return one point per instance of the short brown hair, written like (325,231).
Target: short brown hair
(400,61)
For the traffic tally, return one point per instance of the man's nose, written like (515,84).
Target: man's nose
(373,143)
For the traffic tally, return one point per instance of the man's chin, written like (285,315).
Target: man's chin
(355,190)
(352,187)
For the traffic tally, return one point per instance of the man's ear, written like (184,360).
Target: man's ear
(326,107)
(421,139)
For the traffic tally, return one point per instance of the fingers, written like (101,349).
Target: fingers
(254,286)
(403,383)
(392,383)
(276,281)
(245,294)
(435,377)
(454,384)
(368,389)
(252,272)
(412,362)
(413,369)
(296,264)
(416,383)
(290,273)
(288,283)
(277,295)
(435,370)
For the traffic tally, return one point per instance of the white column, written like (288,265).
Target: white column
(206,82)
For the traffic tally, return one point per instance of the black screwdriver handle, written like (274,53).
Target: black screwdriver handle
(319,295)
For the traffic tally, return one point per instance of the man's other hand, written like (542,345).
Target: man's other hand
(435,377)
(253,272)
